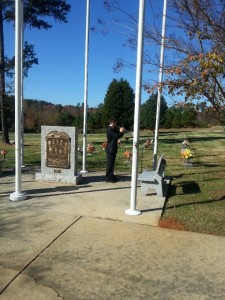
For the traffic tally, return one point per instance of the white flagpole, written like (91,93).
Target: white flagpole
(18,195)
(86,87)
(22,112)
(159,87)
(132,210)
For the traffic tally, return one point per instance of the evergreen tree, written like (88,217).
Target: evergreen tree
(65,119)
(177,121)
(119,103)
(95,119)
(169,117)
(189,117)
(148,112)
(179,117)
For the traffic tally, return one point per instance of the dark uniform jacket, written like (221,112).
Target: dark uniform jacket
(113,134)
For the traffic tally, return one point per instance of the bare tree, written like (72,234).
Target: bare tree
(194,64)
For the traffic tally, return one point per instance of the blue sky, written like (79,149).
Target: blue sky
(59,77)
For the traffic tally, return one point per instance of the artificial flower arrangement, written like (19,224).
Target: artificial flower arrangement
(90,148)
(3,152)
(127,154)
(104,145)
(186,151)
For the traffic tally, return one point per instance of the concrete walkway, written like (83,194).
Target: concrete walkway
(76,242)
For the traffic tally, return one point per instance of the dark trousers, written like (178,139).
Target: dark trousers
(111,157)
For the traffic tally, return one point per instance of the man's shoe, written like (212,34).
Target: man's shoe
(112,180)
(115,178)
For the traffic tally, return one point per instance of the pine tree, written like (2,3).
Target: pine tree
(35,12)
(119,103)
(148,112)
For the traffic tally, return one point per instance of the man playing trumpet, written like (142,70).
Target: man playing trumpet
(113,134)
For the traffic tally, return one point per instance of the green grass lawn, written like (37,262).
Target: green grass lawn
(196,197)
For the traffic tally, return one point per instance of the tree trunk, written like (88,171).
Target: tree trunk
(5,133)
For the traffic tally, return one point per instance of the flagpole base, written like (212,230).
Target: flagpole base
(83,171)
(132,212)
(18,196)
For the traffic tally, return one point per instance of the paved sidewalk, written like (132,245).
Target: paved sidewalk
(76,242)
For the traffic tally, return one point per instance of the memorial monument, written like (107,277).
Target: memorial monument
(59,155)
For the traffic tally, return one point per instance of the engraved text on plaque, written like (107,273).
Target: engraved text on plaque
(58,146)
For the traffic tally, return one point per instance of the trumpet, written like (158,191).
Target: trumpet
(125,131)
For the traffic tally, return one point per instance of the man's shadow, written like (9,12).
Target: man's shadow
(101,178)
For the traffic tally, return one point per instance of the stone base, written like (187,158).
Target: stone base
(57,178)
(187,163)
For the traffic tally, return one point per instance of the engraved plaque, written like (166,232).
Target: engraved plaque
(58,145)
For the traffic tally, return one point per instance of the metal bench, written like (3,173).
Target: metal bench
(153,179)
